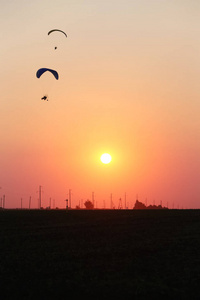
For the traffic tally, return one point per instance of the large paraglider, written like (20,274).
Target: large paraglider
(42,71)
(58,31)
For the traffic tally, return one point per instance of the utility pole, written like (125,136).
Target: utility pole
(120,204)
(70,198)
(50,203)
(111,203)
(4,200)
(93,199)
(1,200)
(30,202)
(40,196)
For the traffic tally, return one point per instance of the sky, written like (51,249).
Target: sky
(129,73)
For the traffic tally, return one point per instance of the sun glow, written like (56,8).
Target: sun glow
(106,158)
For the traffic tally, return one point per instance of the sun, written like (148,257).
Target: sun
(106,158)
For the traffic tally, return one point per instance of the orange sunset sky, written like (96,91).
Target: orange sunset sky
(129,85)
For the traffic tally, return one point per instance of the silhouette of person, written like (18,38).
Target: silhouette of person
(44,98)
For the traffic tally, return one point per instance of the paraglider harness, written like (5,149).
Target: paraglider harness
(44,98)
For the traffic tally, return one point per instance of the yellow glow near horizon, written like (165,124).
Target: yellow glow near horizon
(106,158)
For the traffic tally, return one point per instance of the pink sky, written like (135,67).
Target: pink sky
(129,85)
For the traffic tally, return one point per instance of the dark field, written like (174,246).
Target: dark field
(100,254)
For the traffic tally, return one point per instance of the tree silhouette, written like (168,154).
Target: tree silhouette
(88,204)
(139,205)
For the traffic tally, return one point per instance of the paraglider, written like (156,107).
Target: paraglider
(40,72)
(58,31)
(43,70)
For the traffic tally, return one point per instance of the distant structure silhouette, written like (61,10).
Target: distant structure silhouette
(66,204)
(120,204)
(140,205)
(40,197)
(70,199)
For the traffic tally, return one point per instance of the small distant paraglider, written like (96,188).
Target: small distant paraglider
(58,31)
(41,71)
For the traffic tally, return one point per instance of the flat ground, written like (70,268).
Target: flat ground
(100,254)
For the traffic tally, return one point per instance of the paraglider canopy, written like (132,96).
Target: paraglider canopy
(43,70)
(57,30)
